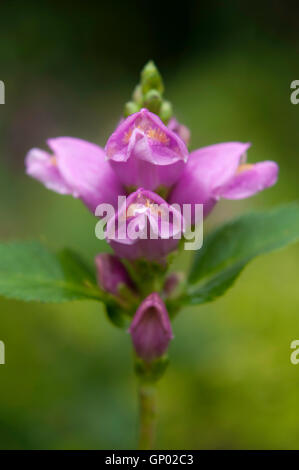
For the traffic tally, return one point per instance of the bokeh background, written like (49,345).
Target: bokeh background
(68,68)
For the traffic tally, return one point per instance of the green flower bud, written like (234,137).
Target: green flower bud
(137,95)
(151,78)
(166,111)
(152,101)
(130,108)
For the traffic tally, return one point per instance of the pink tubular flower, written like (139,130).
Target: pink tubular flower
(111,273)
(75,167)
(145,227)
(221,171)
(151,329)
(182,131)
(144,152)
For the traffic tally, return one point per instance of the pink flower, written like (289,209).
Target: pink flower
(145,227)
(144,152)
(151,328)
(182,131)
(221,171)
(75,167)
(111,273)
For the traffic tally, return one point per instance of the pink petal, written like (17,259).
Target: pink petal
(206,171)
(141,211)
(144,152)
(216,164)
(182,131)
(84,167)
(252,180)
(43,167)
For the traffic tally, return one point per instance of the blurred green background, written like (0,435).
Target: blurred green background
(68,68)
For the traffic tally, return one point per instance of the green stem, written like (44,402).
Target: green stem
(148,415)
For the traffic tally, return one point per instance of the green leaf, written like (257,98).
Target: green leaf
(214,287)
(75,268)
(228,249)
(118,316)
(28,271)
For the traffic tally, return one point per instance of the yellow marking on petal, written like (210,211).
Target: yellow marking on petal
(155,208)
(53,161)
(111,150)
(144,125)
(140,207)
(157,134)
(132,209)
(127,136)
(244,167)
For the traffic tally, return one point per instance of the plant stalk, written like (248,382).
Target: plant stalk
(147,415)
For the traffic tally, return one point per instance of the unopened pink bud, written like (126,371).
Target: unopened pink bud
(151,328)
(179,129)
(111,273)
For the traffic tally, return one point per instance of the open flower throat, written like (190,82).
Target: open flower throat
(143,205)
(147,128)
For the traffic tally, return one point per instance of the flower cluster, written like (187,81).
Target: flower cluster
(147,159)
